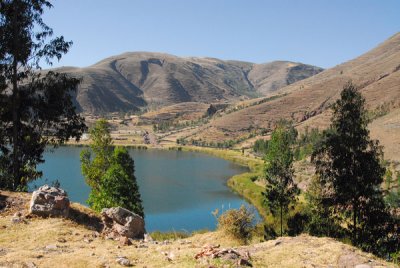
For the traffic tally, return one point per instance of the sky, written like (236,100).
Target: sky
(318,32)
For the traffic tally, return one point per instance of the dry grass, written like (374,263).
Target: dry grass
(376,72)
(57,242)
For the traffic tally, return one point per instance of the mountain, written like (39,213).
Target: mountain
(306,102)
(130,81)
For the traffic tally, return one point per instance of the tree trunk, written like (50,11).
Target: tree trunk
(16,169)
(355,208)
(280,203)
(15,137)
(281,220)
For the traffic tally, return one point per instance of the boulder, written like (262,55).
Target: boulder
(119,222)
(49,201)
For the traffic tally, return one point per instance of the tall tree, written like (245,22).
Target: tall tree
(37,108)
(280,190)
(348,164)
(109,171)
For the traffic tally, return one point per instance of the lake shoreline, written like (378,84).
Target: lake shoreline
(242,184)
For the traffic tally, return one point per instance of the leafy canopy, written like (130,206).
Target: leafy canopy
(280,190)
(36,107)
(109,171)
(350,171)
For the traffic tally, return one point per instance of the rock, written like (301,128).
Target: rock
(49,201)
(87,240)
(123,261)
(363,266)
(61,240)
(124,241)
(3,251)
(122,222)
(244,262)
(18,218)
(31,265)
(17,214)
(148,238)
(51,247)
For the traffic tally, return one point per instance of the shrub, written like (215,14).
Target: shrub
(297,223)
(237,223)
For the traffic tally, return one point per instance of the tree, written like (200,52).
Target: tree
(280,190)
(36,108)
(322,221)
(348,164)
(109,171)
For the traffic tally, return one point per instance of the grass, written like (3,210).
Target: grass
(162,236)
(71,243)
(26,243)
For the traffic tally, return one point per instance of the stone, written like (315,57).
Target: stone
(17,214)
(61,240)
(148,238)
(49,201)
(363,266)
(123,261)
(119,222)
(124,241)
(31,265)
(87,240)
(51,247)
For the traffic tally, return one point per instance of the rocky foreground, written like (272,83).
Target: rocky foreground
(31,241)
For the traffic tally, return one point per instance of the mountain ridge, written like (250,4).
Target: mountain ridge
(133,80)
(376,73)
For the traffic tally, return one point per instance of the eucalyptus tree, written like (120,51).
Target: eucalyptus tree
(281,190)
(349,167)
(37,107)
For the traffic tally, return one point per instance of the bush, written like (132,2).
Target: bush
(237,223)
(297,223)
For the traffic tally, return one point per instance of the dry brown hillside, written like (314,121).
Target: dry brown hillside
(376,72)
(131,81)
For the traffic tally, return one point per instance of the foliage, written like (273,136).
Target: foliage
(36,108)
(110,173)
(171,124)
(306,143)
(350,172)
(237,223)
(322,221)
(392,198)
(297,223)
(211,110)
(280,191)
(302,146)
(260,146)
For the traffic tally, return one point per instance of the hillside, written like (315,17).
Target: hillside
(131,81)
(377,73)
(74,242)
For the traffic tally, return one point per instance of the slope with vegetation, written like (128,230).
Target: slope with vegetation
(376,73)
(74,242)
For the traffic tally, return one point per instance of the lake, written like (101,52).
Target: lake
(179,189)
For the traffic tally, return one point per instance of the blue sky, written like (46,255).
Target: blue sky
(320,32)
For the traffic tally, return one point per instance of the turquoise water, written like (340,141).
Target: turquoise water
(179,189)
